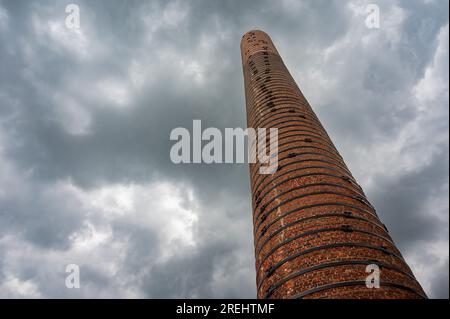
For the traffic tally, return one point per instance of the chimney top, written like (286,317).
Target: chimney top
(256,41)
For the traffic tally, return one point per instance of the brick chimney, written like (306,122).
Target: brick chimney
(315,232)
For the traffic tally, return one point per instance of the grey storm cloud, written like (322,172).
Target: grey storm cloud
(85,119)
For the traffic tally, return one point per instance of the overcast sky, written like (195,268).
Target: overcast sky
(85,118)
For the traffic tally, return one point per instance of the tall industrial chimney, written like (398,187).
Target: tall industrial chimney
(316,235)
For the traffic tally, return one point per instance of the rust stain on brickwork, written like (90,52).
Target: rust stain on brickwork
(315,231)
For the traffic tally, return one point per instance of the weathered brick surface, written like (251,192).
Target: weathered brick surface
(315,231)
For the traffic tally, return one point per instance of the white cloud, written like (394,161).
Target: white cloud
(423,131)
(4,19)
(170,16)
(163,209)
(16,288)
(434,85)
(71,115)
(113,93)
(55,35)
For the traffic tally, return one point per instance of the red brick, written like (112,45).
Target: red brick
(314,228)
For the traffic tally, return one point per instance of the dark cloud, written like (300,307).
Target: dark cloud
(403,200)
(85,174)
(439,284)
